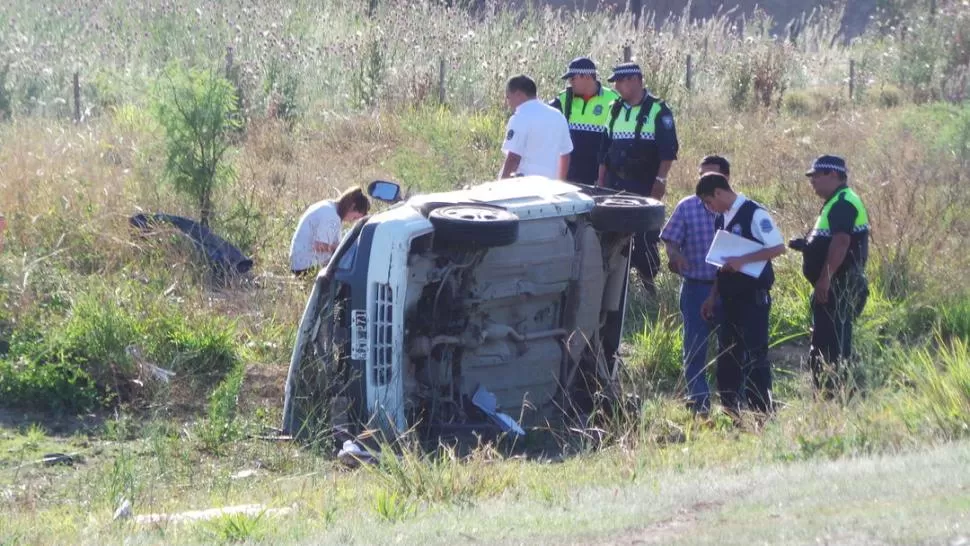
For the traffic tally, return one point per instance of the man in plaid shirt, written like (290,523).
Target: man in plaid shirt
(687,237)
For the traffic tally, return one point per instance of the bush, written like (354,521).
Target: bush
(94,356)
(888,96)
(198,111)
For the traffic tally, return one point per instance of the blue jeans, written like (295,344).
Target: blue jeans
(697,331)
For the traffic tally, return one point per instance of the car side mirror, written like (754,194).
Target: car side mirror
(382,190)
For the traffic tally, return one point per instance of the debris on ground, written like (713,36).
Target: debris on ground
(125,512)
(52,459)
(353,455)
(486,402)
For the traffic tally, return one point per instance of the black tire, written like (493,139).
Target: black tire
(627,214)
(480,225)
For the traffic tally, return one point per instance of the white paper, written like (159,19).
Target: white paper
(728,245)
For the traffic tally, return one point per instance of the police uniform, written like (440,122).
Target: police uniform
(743,368)
(843,212)
(638,138)
(587,117)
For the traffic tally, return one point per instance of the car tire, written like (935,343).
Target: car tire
(481,225)
(627,214)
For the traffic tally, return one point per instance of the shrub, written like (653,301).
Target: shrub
(888,96)
(198,110)
(797,103)
(94,356)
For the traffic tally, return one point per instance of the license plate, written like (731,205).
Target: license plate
(358,334)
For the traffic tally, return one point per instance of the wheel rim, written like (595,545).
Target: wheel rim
(621,202)
(472,214)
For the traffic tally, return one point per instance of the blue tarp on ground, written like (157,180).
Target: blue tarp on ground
(222,256)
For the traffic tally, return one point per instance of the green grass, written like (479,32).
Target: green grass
(333,98)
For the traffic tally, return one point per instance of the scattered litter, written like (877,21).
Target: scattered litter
(487,402)
(352,455)
(212,513)
(242,474)
(147,367)
(52,459)
(124,510)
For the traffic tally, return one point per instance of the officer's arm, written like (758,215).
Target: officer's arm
(660,189)
(511,165)
(668,146)
(838,248)
(604,151)
(842,217)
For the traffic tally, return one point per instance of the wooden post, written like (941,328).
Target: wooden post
(441,81)
(229,63)
(741,27)
(627,54)
(690,72)
(705,47)
(851,79)
(77,98)
(932,9)
(636,6)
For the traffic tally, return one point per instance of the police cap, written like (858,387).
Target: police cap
(827,163)
(580,66)
(625,70)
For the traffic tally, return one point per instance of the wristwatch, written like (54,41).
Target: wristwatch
(661,179)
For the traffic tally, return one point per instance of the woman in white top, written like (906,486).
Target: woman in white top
(318,231)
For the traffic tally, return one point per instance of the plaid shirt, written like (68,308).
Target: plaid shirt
(691,230)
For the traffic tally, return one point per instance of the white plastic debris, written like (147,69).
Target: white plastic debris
(352,455)
(487,402)
(212,513)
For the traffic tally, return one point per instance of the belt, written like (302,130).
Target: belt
(697,281)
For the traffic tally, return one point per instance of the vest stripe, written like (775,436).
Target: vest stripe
(588,127)
(630,135)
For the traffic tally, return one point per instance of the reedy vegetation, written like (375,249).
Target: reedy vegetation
(333,97)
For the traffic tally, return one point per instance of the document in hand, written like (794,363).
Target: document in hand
(728,245)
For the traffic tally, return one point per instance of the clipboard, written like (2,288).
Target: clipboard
(728,245)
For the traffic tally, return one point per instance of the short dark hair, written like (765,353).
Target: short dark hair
(722,163)
(352,199)
(522,83)
(709,182)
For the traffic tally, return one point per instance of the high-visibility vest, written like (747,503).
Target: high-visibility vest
(589,116)
(822,229)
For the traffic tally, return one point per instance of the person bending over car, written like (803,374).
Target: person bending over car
(318,231)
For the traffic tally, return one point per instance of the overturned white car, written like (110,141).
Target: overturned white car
(479,310)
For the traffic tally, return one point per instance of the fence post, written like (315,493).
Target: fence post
(690,72)
(627,54)
(705,47)
(229,63)
(77,98)
(636,6)
(851,79)
(441,80)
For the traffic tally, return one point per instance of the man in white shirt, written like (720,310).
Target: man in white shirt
(318,232)
(743,370)
(537,140)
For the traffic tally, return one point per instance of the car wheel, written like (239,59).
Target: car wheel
(627,214)
(474,224)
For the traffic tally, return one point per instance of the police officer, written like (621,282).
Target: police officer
(586,105)
(638,149)
(834,261)
(744,368)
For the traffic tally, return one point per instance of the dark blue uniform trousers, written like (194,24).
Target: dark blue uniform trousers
(743,370)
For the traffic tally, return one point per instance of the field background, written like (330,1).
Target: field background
(333,94)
